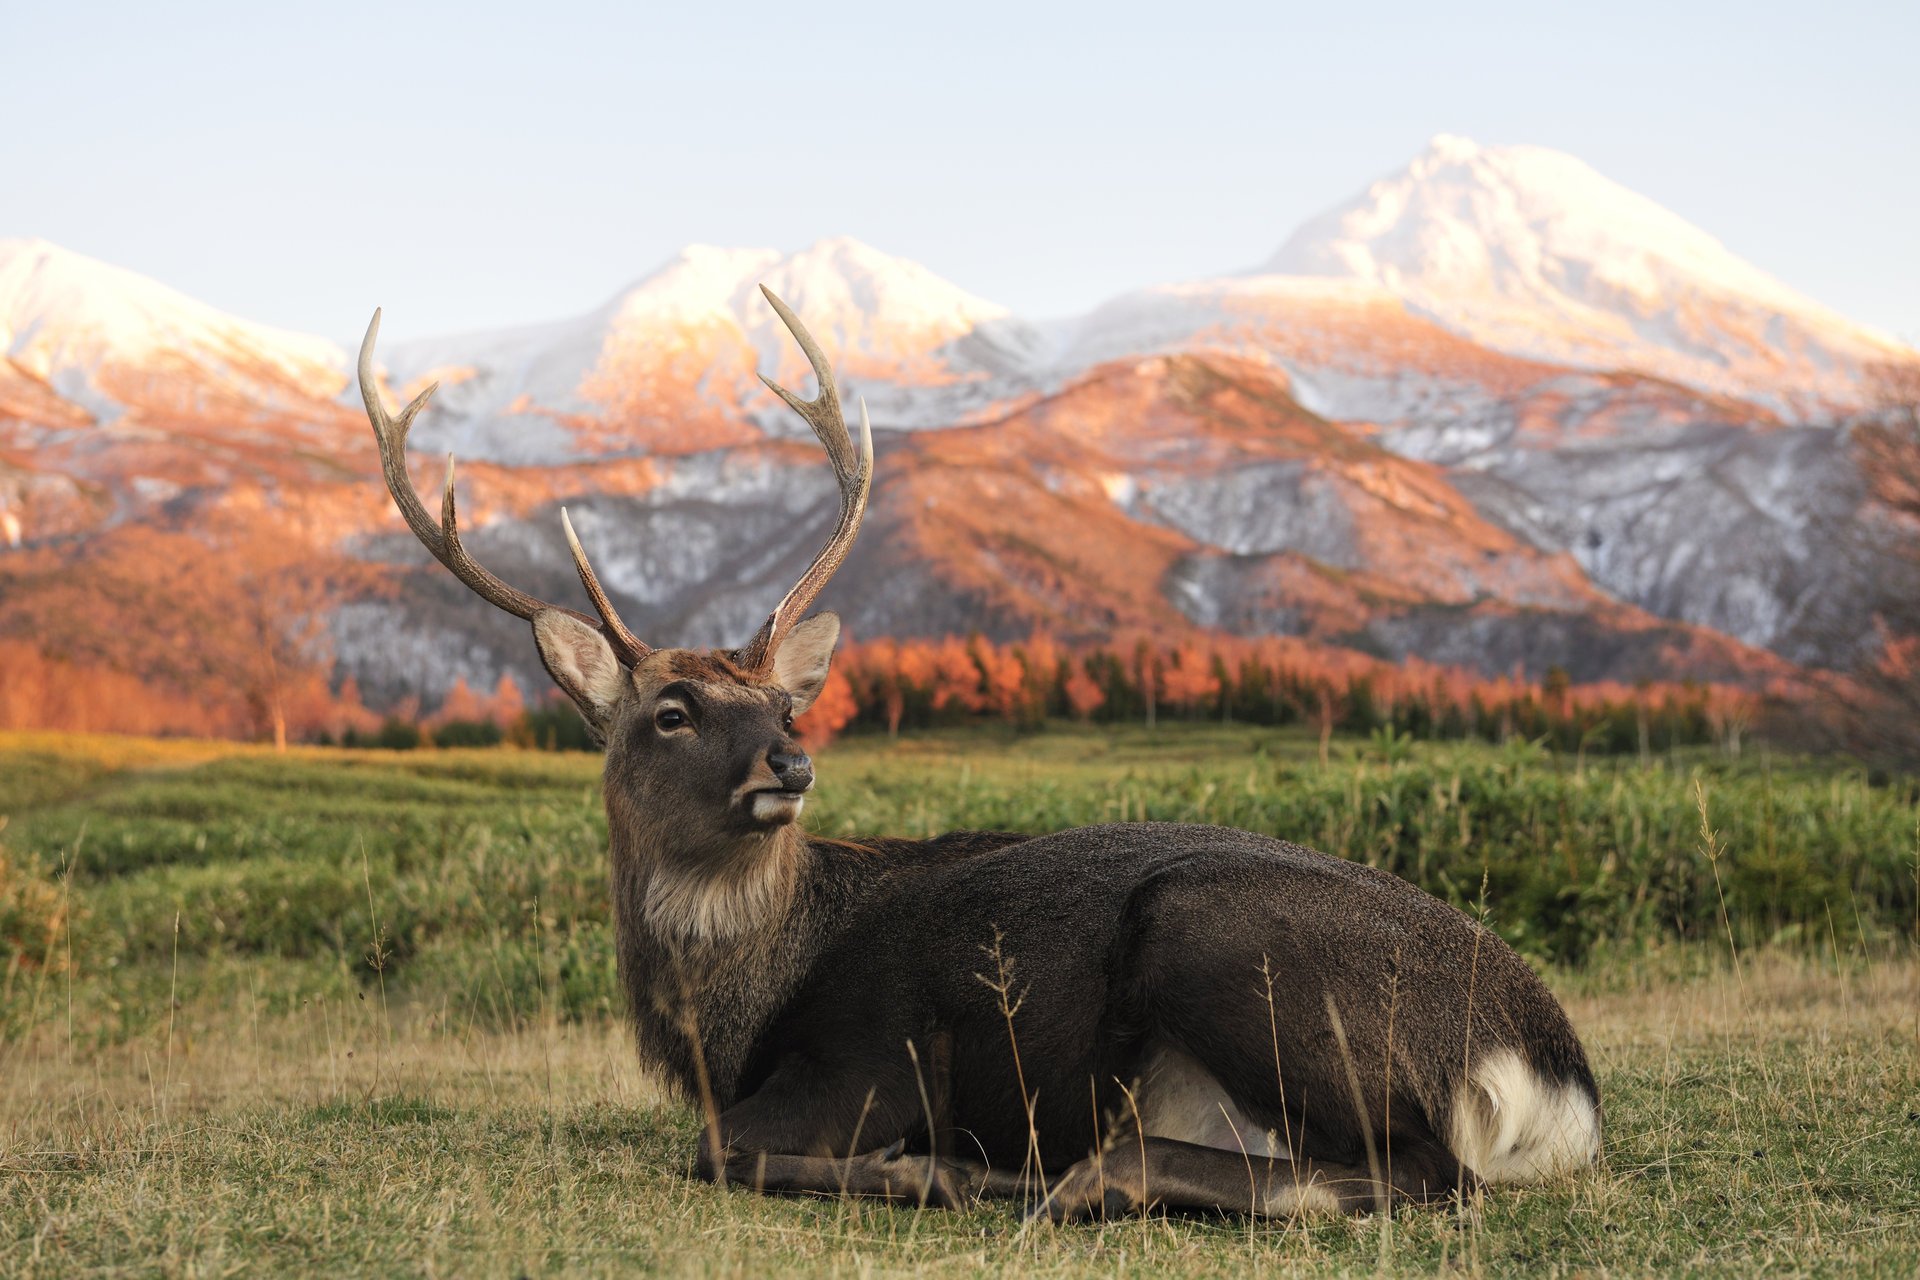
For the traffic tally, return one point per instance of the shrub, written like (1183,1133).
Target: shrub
(394,734)
(33,934)
(555,727)
(467,733)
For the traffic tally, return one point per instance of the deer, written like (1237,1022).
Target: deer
(1101,1021)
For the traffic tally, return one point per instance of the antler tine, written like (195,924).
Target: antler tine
(442,538)
(624,642)
(853,471)
(823,411)
(391,436)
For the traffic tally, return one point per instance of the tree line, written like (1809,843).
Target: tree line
(217,632)
(894,686)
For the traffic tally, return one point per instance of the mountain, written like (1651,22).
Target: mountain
(1599,377)
(1530,251)
(1153,496)
(1497,413)
(670,363)
(105,340)
(119,396)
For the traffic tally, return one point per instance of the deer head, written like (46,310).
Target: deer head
(699,742)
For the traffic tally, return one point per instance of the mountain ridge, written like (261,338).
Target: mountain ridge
(1327,455)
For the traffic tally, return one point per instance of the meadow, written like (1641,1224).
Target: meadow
(355,1011)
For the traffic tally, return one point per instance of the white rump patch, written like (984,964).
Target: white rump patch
(1180,1099)
(1509,1125)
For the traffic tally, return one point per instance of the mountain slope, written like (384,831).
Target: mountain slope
(106,340)
(1530,251)
(1153,496)
(119,396)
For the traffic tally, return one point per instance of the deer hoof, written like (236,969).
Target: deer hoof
(1085,1194)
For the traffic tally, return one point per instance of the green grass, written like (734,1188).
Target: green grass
(223,1078)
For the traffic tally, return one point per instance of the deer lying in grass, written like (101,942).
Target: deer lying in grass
(1102,1019)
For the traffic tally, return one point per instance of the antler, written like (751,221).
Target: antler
(443,539)
(854,472)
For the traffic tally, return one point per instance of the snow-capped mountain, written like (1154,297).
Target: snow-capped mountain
(1497,411)
(101,337)
(670,363)
(119,395)
(1530,251)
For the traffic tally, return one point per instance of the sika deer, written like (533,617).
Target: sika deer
(1221,1019)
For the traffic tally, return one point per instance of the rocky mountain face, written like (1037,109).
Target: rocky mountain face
(1495,412)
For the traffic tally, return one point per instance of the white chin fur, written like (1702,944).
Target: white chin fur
(777,806)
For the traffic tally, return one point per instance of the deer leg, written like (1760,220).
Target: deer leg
(1135,1173)
(930,1181)
(805,1132)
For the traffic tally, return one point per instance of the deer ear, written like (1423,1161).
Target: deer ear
(801,662)
(581,662)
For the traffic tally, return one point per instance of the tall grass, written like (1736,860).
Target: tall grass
(487,861)
(201,1074)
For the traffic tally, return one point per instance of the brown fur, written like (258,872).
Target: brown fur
(791,983)
(698,886)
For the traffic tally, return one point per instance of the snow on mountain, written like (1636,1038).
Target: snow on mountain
(1352,350)
(671,361)
(1667,497)
(105,338)
(1531,251)
(877,311)
(1497,409)
(1766,536)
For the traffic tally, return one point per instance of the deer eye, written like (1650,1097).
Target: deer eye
(667,719)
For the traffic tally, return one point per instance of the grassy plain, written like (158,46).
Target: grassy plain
(355,1012)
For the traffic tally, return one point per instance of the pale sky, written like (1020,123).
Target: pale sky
(474,165)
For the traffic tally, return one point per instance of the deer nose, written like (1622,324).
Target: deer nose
(793,768)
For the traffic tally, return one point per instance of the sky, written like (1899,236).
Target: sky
(475,165)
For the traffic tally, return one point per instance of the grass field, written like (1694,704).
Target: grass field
(355,1012)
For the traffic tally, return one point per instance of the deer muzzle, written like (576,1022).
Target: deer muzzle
(778,791)
(793,769)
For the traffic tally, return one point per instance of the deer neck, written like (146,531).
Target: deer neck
(690,886)
(703,900)
(710,947)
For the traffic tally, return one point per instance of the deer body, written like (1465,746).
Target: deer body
(1099,1019)
(1174,980)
